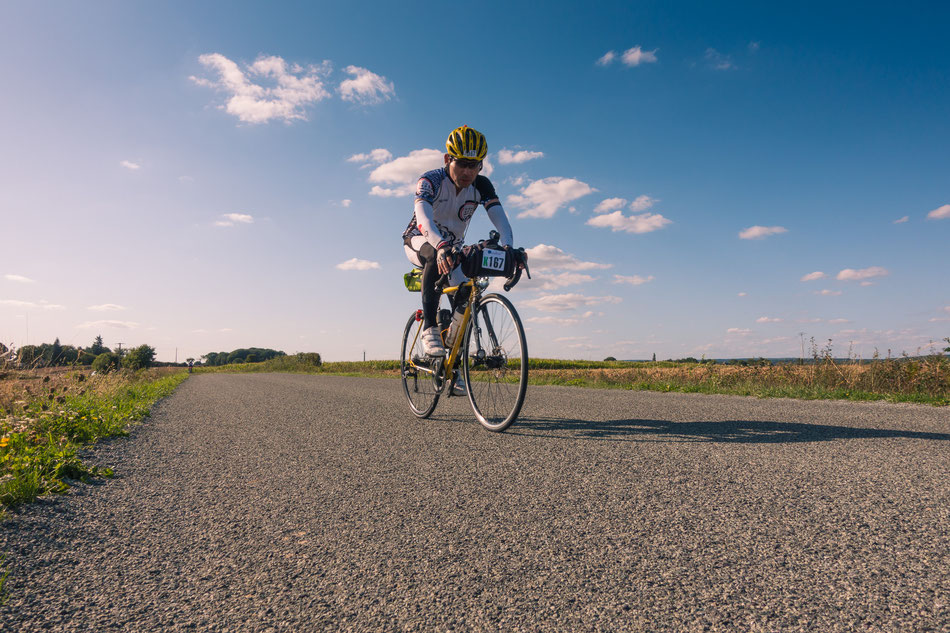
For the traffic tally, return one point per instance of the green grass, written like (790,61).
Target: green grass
(46,424)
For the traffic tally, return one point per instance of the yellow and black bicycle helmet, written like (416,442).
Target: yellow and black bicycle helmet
(466,143)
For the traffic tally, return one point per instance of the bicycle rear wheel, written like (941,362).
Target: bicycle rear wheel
(496,363)
(419,385)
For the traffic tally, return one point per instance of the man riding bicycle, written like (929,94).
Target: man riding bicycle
(446,200)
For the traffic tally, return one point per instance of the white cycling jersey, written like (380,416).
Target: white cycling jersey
(442,216)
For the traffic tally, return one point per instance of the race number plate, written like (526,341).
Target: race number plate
(493,260)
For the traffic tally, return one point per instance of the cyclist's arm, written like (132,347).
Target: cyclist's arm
(425,217)
(495,211)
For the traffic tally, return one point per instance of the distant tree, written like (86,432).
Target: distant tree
(139,357)
(28,355)
(97,347)
(251,358)
(105,362)
(85,358)
(654,357)
(52,352)
(310,358)
(609,358)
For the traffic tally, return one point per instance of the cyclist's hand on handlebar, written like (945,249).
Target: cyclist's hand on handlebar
(445,259)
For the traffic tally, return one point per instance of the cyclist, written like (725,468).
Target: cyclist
(446,200)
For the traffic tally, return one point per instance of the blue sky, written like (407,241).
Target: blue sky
(207,176)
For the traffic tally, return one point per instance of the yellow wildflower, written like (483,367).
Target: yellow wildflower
(4,442)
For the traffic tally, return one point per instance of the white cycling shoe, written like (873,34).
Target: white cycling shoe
(459,388)
(432,342)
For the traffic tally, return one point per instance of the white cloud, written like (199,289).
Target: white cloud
(20,279)
(838,321)
(42,305)
(828,293)
(407,169)
(940,213)
(717,60)
(346,203)
(365,87)
(758,232)
(232,219)
(507,157)
(736,330)
(766,319)
(610,204)
(562,321)
(565,302)
(547,257)
(813,276)
(105,307)
(607,58)
(546,281)
(754,46)
(635,280)
(902,220)
(185,179)
(376,156)
(358,264)
(642,223)
(293,88)
(121,325)
(130,165)
(636,56)
(850,274)
(946,308)
(542,198)
(392,192)
(642,203)
(742,294)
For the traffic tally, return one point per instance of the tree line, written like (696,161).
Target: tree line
(100,357)
(242,355)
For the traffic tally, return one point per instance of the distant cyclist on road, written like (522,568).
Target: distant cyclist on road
(446,200)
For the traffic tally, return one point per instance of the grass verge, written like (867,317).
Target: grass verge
(47,417)
(924,379)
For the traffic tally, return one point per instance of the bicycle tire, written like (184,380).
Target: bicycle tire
(498,381)
(419,387)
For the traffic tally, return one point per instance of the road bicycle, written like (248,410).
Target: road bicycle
(489,351)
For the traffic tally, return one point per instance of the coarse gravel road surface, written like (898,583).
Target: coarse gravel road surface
(267,502)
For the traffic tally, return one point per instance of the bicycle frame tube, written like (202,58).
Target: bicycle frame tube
(457,343)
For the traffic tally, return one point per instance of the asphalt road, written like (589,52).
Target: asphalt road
(308,503)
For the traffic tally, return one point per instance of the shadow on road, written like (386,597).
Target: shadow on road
(737,431)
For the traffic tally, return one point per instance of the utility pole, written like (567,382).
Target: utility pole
(364,355)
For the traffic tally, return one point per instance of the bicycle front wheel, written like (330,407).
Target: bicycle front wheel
(496,363)
(417,383)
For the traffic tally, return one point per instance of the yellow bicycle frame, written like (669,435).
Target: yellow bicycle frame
(457,343)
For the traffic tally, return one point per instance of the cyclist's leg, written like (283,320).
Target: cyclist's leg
(421,254)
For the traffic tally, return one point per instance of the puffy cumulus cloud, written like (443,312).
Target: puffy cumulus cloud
(233,219)
(607,58)
(850,274)
(642,203)
(130,165)
(766,319)
(106,307)
(638,223)
(374,157)
(566,302)
(610,204)
(358,264)
(345,203)
(400,174)
(838,321)
(636,56)
(545,257)
(718,61)
(291,87)
(542,198)
(553,281)
(940,213)
(828,293)
(813,276)
(365,87)
(902,220)
(635,280)
(742,294)
(758,232)
(20,279)
(42,305)
(738,330)
(119,325)
(508,157)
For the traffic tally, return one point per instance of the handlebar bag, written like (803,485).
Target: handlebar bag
(487,260)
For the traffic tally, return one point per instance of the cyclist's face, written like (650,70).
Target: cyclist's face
(463,172)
